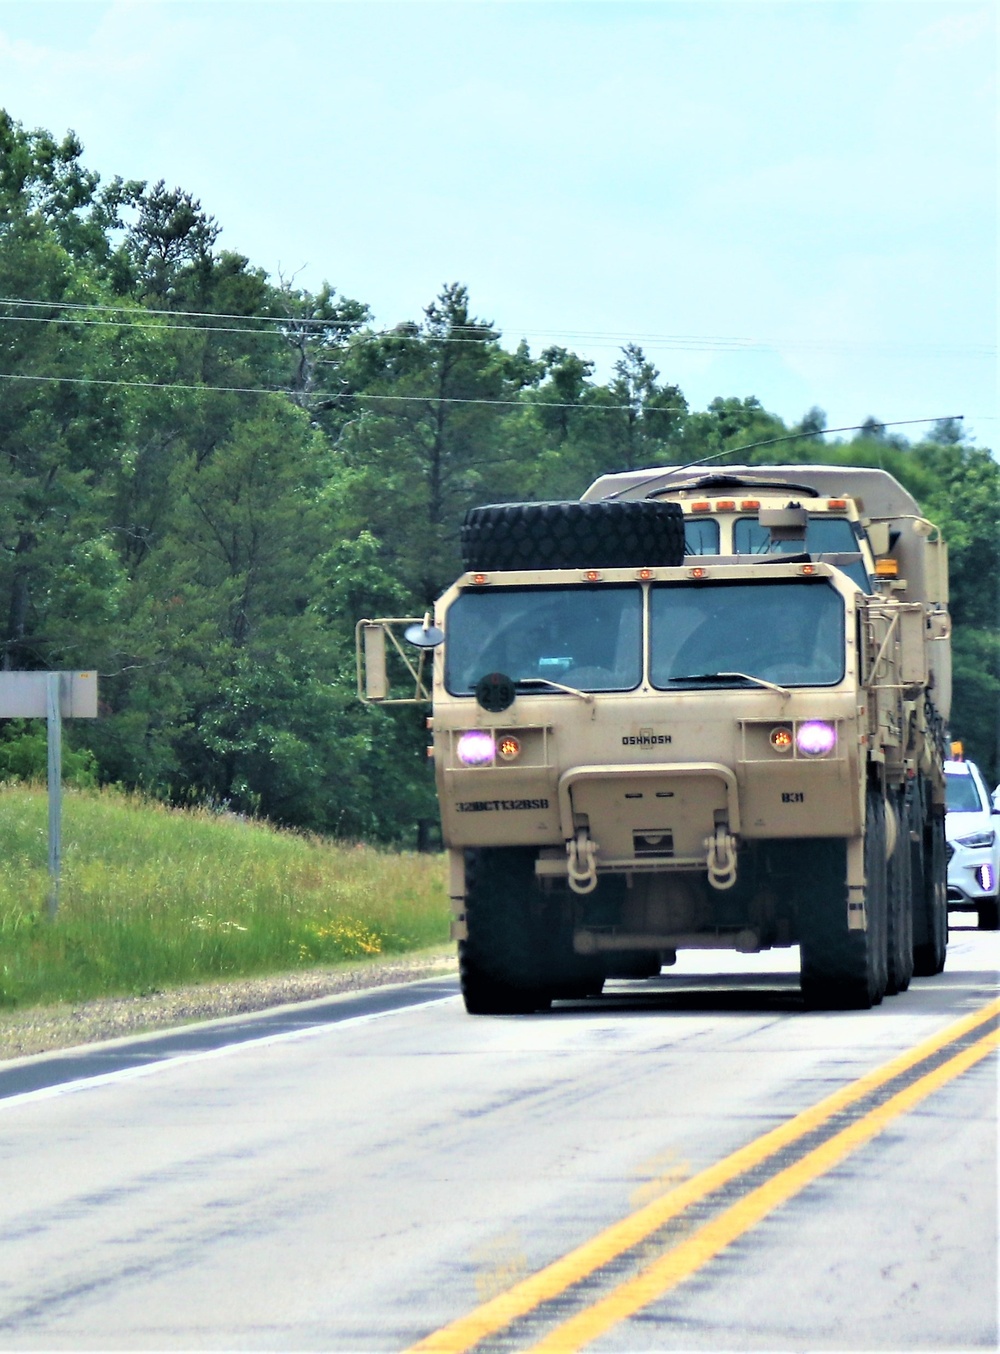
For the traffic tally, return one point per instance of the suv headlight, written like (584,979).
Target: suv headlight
(978,839)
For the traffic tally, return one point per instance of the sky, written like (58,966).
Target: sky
(794,200)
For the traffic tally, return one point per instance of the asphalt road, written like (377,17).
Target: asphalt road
(362,1172)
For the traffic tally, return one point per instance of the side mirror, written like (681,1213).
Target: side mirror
(424,635)
(878,538)
(376,681)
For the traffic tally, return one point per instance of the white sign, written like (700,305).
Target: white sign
(23,695)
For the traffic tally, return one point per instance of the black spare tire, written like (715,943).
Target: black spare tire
(611,534)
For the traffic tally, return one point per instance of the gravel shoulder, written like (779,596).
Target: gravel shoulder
(42,1029)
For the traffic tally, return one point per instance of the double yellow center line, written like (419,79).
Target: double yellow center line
(681,1260)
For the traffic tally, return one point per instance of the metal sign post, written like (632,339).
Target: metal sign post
(53,714)
(52,696)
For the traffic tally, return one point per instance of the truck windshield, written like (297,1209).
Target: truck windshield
(587,638)
(788,632)
(824,535)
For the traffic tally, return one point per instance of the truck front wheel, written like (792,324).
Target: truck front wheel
(500,961)
(840,968)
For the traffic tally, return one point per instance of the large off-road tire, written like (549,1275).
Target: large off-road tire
(615,533)
(899,910)
(502,961)
(844,969)
(931,923)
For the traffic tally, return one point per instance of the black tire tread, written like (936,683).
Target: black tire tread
(844,969)
(609,534)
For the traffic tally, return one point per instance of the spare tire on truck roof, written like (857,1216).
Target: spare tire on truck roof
(608,534)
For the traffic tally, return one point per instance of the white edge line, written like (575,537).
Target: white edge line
(159,1065)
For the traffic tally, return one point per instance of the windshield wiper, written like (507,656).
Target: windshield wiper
(732,676)
(556,686)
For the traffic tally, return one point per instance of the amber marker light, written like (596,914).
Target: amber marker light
(701,507)
(748,504)
(781,740)
(480,578)
(726,505)
(808,569)
(886,568)
(837,504)
(698,572)
(644,575)
(592,575)
(508,747)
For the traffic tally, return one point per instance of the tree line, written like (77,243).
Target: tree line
(207,475)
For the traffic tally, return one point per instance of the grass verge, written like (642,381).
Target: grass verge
(154,897)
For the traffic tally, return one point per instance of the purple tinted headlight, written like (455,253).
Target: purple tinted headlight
(476,748)
(816,737)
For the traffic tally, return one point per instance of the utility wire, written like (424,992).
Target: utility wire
(318,394)
(457,333)
(452,399)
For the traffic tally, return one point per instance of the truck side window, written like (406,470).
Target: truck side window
(701,536)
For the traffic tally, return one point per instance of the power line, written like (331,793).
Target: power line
(442,399)
(479,332)
(317,394)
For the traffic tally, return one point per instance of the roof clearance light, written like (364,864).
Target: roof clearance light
(816,737)
(726,505)
(837,504)
(508,747)
(749,504)
(701,507)
(781,739)
(476,748)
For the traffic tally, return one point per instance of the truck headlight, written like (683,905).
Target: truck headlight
(476,747)
(816,737)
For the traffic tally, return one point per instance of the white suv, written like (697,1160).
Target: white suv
(972,826)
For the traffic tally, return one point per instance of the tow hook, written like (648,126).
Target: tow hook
(721,848)
(582,863)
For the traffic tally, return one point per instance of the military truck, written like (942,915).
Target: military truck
(689,711)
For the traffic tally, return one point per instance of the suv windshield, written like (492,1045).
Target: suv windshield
(791,633)
(588,638)
(961,794)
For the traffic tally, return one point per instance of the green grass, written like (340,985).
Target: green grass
(153,897)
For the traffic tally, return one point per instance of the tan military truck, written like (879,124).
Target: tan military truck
(690,711)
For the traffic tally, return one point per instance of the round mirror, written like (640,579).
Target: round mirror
(423,636)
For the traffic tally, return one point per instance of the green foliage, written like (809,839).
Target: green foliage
(207,534)
(24,752)
(153,897)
